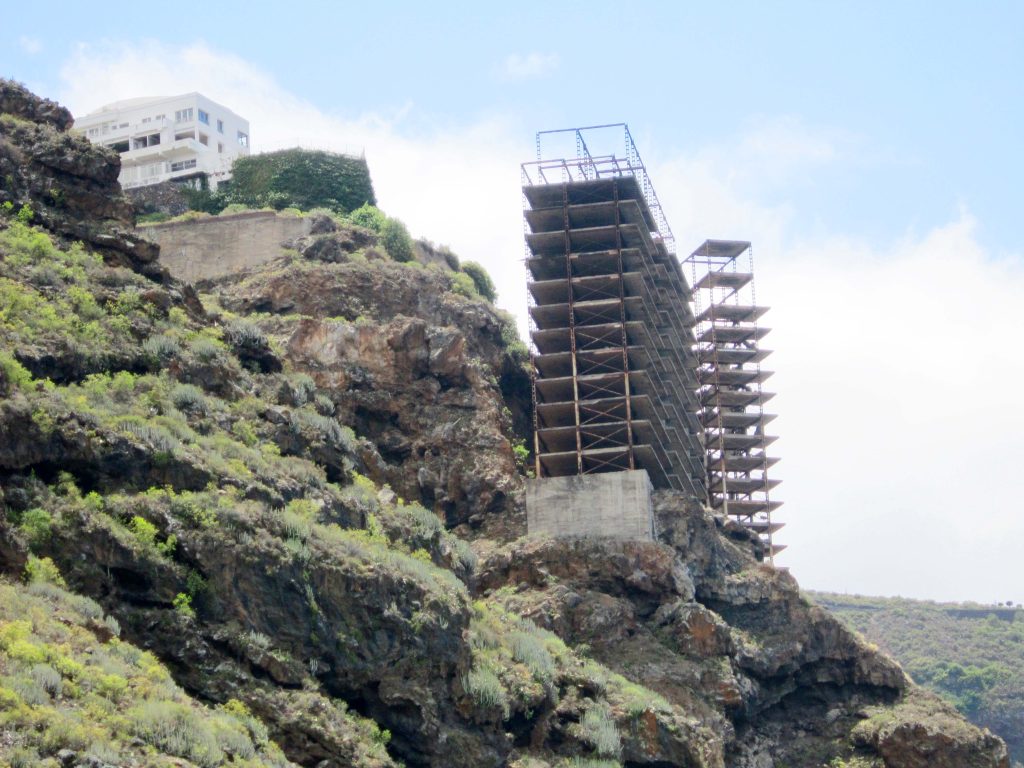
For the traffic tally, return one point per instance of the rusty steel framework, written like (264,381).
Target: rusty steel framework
(730,376)
(615,384)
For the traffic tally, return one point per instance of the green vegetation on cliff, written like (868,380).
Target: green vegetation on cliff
(289,178)
(69,686)
(302,178)
(967,653)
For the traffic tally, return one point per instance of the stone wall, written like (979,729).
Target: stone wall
(614,504)
(203,249)
(166,197)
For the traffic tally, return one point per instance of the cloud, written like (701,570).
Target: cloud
(520,66)
(30,45)
(896,364)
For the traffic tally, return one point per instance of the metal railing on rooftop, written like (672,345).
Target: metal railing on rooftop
(586,166)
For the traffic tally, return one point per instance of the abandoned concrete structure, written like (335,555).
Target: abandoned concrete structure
(634,375)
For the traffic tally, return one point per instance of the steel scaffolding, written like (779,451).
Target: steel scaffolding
(620,378)
(730,376)
(615,384)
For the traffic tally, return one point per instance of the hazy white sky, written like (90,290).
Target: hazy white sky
(895,322)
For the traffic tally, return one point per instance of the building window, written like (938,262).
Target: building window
(147,119)
(204,139)
(119,146)
(184,115)
(160,117)
(123,125)
(94,131)
(184,135)
(184,165)
(141,142)
(204,117)
(220,147)
(243,139)
(220,126)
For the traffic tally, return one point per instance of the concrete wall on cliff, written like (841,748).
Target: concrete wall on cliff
(203,249)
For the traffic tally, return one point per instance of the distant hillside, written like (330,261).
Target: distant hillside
(971,654)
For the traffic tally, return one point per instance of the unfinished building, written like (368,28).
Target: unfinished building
(627,392)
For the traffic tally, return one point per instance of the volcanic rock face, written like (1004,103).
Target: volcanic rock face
(410,366)
(69,182)
(277,503)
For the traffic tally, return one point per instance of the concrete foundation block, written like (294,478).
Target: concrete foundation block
(612,504)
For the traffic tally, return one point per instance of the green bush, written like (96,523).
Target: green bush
(486,690)
(529,650)
(599,730)
(463,285)
(189,397)
(301,178)
(35,524)
(177,730)
(15,376)
(160,349)
(482,280)
(42,571)
(369,216)
(396,240)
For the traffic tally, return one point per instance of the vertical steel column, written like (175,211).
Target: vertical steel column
(622,326)
(760,418)
(572,326)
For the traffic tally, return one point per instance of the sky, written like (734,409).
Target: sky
(871,151)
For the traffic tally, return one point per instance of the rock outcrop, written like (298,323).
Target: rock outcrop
(304,501)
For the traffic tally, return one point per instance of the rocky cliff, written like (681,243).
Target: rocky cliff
(284,526)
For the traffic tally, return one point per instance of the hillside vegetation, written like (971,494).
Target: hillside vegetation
(964,652)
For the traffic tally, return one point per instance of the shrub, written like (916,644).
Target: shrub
(177,730)
(427,523)
(464,554)
(14,374)
(324,405)
(42,571)
(205,348)
(599,730)
(529,650)
(303,388)
(369,216)
(303,178)
(183,604)
(35,524)
(482,280)
(232,208)
(189,397)
(326,426)
(486,690)
(241,333)
(48,678)
(396,240)
(463,285)
(162,441)
(146,533)
(160,349)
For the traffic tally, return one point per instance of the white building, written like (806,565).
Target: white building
(185,138)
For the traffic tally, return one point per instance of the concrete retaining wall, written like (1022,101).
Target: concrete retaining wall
(613,504)
(222,245)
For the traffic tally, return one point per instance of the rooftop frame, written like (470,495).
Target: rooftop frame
(549,168)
